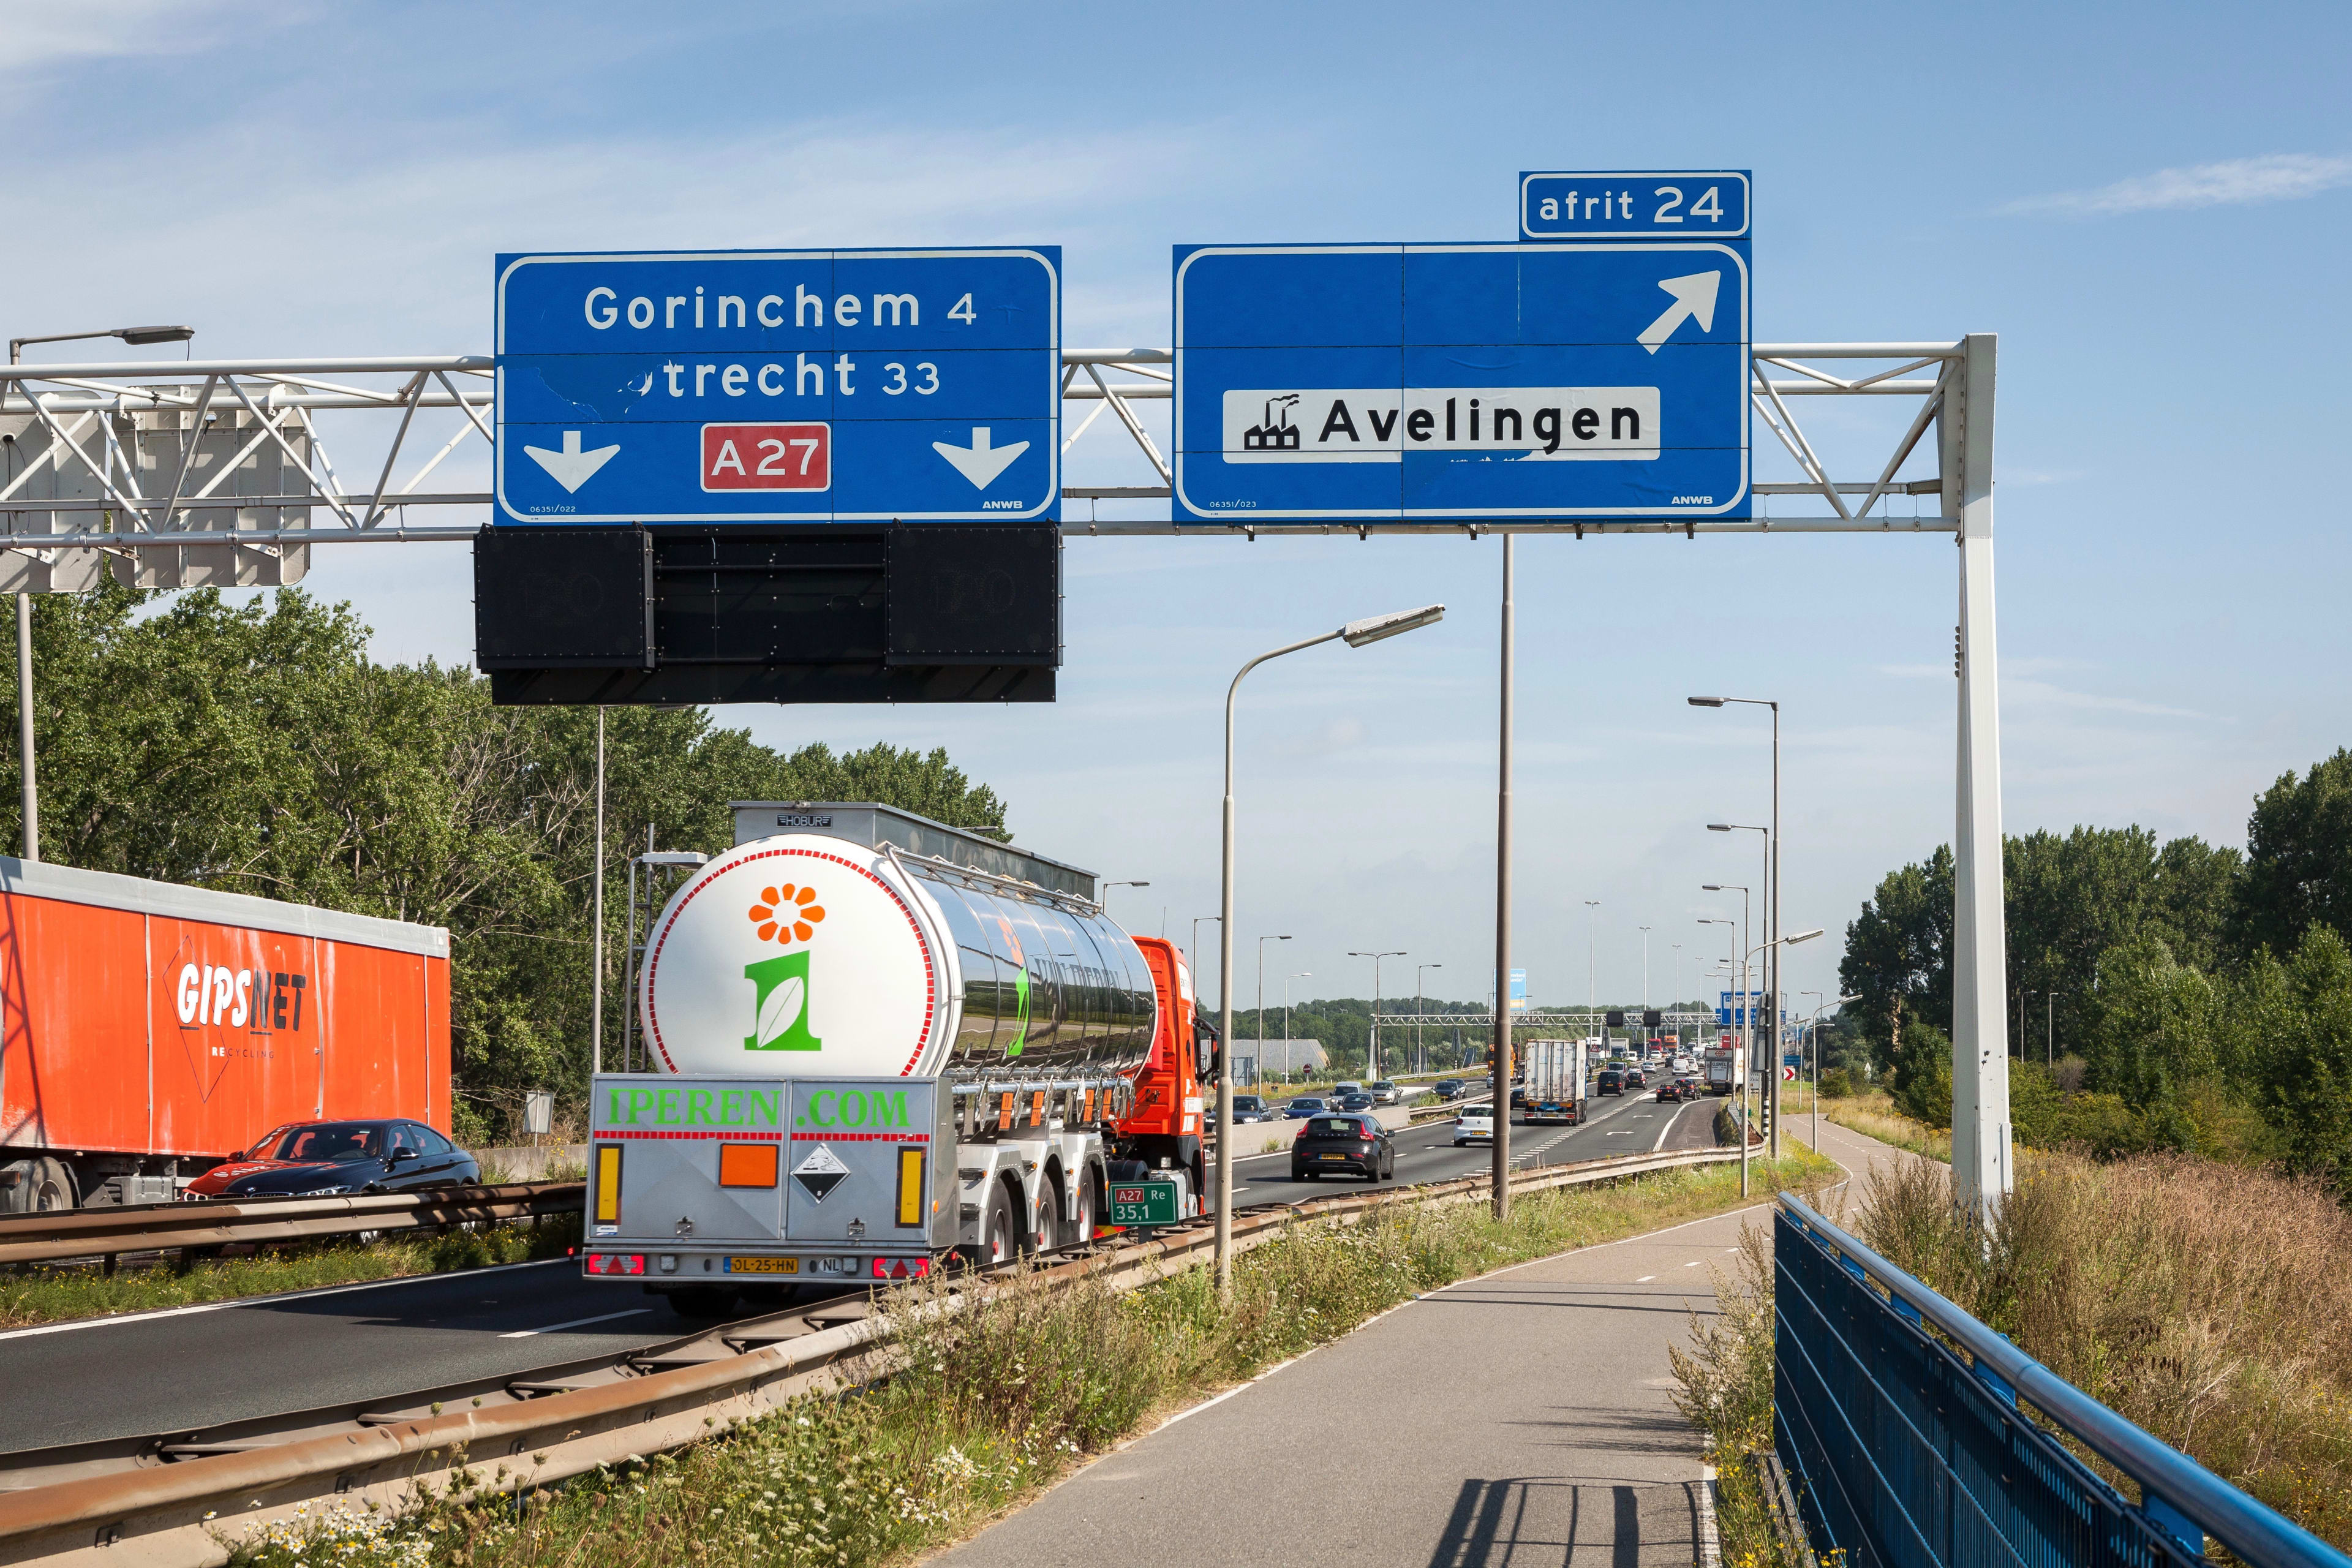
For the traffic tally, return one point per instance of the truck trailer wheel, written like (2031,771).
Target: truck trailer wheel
(42,1186)
(1080,1229)
(998,1238)
(1048,1234)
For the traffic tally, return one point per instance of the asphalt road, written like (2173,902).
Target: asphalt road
(188,1368)
(1620,1124)
(197,1367)
(1517,1419)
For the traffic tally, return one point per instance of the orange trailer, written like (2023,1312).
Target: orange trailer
(148,1030)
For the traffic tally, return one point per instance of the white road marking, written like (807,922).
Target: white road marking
(1696,1261)
(266,1300)
(576,1323)
(1645,1279)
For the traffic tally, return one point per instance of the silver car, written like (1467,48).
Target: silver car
(1386,1093)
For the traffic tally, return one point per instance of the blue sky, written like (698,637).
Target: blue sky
(2150,205)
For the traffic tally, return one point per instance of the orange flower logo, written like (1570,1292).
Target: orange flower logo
(785,912)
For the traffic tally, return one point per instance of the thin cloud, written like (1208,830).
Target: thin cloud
(44,36)
(2233,181)
(2042,693)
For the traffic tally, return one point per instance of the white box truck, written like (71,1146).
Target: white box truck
(1723,1064)
(1555,1080)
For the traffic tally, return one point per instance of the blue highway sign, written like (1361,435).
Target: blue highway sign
(1460,383)
(767,387)
(1710,203)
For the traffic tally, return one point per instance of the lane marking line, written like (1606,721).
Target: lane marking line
(1645,1279)
(1696,1261)
(576,1322)
(271,1300)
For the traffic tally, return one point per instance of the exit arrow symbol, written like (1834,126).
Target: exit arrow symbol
(1693,296)
(980,462)
(571,467)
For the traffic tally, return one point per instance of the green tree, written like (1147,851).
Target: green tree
(1898,951)
(2152,1028)
(2299,859)
(256,749)
(2297,1017)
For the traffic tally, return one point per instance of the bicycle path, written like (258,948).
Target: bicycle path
(1518,1418)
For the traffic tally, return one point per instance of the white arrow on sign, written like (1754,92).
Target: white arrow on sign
(571,467)
(980,462)
(1693,296)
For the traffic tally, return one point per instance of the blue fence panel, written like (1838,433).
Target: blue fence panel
(1905,1456)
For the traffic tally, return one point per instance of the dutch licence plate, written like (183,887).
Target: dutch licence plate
(764,1266)
(1335,1156)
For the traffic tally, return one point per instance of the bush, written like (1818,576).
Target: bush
(1922,1089)
(1836,1085)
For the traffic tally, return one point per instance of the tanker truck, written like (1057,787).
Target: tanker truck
(869,1043)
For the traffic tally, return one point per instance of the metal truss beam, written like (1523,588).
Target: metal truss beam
(285,395)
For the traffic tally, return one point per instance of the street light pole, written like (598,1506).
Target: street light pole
(1356,634)
(1771,883)
(1259,1061)
(1104,903)
(596,974)
(1771,997)
(1645,968)
(1592,939)
(1373,1037)
(1302,974)
(1195,950)
(1776,942)
(1420,1010)
(31,788)
(1499,1052)
(1739,1053)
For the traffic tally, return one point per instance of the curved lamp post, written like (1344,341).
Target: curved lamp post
(1356,634)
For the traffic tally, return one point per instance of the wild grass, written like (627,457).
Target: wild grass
(980,1408)
(56,1295)
(1874,1115)
(2206,1302)
(1724,1387)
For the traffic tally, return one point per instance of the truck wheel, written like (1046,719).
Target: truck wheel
(1080,1229)
(998,1240)
(50,1186)
(1048,1234)
(702,1301)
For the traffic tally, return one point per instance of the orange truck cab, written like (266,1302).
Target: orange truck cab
(1162,1131)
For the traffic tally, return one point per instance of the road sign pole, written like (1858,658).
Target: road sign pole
(1981,1137)
(1502,1053)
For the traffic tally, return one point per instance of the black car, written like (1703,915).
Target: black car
(1613,1080)
(1357,1102)
(1448,1089)
(332,1159)
(1636,1079)
(1358,1145)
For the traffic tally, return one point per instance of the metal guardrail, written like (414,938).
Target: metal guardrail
(108,1233)
(1909,1456)
(161,1513)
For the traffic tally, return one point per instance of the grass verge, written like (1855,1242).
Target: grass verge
(1874,1116)
(58,1295)
(988,1406)
(2204,1301)
(1725,1389)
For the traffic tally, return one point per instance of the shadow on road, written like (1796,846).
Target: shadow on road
(1528,1520)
